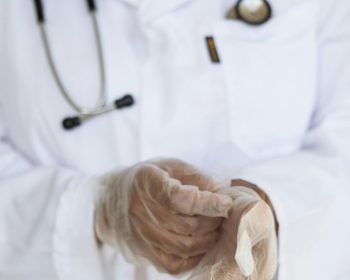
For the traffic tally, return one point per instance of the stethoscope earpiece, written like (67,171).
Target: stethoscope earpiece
(253,12)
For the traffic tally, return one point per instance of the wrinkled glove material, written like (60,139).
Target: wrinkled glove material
(247,248)
(163,211)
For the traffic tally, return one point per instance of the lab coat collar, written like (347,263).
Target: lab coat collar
(151,9)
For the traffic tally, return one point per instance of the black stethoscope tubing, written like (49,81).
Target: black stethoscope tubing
(40,10)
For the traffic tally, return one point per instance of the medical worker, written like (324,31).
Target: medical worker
(207,92)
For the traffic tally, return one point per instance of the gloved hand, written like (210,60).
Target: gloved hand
(164,211)
(247,248)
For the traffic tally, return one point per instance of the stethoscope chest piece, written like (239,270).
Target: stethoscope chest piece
(254,12)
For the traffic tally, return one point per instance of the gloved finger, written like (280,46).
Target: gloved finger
(174,264)
(172,243)
(194,226)
(187,174)
(156,184)
(189,200)
(143,208)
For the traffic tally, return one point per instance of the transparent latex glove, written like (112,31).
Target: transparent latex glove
(163,211)
(247,248)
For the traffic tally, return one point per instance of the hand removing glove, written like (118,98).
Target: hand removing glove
(164,211)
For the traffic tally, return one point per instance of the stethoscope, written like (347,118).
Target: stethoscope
(255,12)
(101,106)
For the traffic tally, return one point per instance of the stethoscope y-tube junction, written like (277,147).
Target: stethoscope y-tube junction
(73,122)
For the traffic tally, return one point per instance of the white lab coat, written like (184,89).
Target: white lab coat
(275,111)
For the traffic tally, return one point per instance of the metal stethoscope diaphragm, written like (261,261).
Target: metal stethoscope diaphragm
(101,107)
(253,12)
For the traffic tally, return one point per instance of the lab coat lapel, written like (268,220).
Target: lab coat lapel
(151,9)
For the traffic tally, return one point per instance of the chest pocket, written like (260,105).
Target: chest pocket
(270,78)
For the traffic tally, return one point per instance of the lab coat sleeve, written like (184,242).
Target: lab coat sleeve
(46,219)
(310,187)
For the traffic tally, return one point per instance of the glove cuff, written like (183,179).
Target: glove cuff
(260,192)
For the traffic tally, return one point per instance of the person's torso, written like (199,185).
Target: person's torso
(256,103)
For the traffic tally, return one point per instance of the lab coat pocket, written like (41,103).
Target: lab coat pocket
(270,77)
